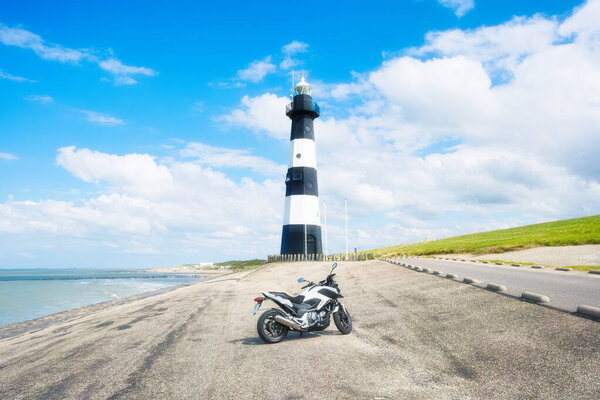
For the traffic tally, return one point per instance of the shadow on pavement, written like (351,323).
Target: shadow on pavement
(255,340)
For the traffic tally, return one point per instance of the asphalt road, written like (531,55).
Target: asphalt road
(566,289)
(415,336)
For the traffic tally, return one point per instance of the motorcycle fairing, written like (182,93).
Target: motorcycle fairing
(312,299)
(293,305)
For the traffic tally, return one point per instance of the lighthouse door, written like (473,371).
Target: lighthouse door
(311,244)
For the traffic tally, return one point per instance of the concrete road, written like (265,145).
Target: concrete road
(566,290)
(415,336)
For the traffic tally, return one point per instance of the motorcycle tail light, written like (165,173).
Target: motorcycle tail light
(259,299)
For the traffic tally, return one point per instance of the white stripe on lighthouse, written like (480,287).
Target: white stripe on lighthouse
(303,153)
(301,209)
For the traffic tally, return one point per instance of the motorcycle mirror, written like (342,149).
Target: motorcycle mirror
(300,280)
(333,266)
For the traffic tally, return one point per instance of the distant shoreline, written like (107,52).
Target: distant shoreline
(189,270)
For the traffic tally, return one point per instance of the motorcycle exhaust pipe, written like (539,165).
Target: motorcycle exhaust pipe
(289,323)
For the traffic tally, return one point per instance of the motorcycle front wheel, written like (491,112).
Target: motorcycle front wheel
(343,321)
(270,330)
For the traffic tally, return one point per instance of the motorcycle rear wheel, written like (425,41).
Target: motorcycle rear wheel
(270,330)
(343,321)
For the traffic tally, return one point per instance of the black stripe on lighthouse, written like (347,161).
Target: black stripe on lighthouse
(292,239)
(302,128)
(301,180)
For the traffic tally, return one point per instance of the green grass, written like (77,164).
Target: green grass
(584,267)
(242,264)
(566,232)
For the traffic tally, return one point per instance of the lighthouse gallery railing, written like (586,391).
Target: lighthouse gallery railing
(290,107)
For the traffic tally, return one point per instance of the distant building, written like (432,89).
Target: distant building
(201,265)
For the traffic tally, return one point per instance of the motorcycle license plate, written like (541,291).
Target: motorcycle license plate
(256,307)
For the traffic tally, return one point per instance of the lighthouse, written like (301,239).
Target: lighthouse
(301,232)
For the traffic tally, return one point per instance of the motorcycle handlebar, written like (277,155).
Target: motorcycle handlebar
(328,279)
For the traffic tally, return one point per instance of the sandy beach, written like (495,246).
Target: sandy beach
(190,270)
(415,336)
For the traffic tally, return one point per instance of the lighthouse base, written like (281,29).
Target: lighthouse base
(292,239)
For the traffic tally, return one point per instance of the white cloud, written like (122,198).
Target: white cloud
(583,22)
(228,84)
(116,67)
(5,75)
(8,156)
(460,7)
(434,91)
(218,157)
(500,48)
(184,208)
(294,47)
(288,63)
(28,40)
(257,70)
(265,113)
(289,50)
(125,80)
(39,98)
(102,119)
(198,107)
(136,174)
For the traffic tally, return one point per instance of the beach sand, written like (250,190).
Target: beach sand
(415,336)
(190,270)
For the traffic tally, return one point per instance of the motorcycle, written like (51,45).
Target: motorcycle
(310,311)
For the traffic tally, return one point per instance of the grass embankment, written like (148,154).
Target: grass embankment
(242,264)
(566,232)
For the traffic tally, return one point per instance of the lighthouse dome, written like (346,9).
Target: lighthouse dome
(303,87)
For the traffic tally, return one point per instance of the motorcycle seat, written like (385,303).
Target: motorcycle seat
(296,300)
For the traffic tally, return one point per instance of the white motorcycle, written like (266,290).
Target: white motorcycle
(309,311)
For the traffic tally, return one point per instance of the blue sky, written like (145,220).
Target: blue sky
(136,134)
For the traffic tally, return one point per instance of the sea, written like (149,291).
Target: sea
(26,294)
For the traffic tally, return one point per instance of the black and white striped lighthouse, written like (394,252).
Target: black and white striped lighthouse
(301,222)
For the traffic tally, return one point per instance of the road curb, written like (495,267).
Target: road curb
(536,266)
(498,263)
(496,288)
(451,276)
(436,272)
(516,265)
(589,311)
(485,262)
(564,269)
(470,280)
(427,270)
(418,269)
(535,297)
